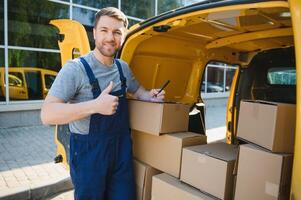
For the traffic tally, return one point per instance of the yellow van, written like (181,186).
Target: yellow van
(262,37)
(26,82)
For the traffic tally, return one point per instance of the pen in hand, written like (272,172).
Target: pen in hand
(162,88)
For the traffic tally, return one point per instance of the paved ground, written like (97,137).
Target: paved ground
(26,159)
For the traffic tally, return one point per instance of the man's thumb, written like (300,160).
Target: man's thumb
(109,88)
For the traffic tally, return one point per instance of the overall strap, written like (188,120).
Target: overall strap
(122,77)
(93,81)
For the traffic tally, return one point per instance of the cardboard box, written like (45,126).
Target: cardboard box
(210,168)
(263,174)
(143,179)
(158,118)
(164,152)
(268,124)
(166,187)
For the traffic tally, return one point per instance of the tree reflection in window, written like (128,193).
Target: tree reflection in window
(28,23)
(141,9)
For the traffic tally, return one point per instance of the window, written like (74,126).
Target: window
(86,17)
(132,22)
(2,80)
(166,5)
(1,57)
(281,76)
(1,22)
(229,77)
(15,79)
(141,9)
(28,23)
(31,64)
(49,80)
(34,59)
(217,79)
(97,4)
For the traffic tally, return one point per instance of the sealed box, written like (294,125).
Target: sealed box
(262,174)
(210,168)
(268,124)
(143,179)
(166,187)
(158,118)
(164,152)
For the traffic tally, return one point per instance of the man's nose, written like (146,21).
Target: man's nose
(110,36)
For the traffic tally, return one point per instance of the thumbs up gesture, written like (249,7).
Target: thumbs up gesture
(105,103)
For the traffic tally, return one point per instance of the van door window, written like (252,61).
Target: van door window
(34,85)
(15,79)
(281,76)
(49,79)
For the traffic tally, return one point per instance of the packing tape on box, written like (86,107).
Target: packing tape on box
(272,189)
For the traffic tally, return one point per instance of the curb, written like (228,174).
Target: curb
(38,191)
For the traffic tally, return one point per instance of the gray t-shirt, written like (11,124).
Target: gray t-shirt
(72,84)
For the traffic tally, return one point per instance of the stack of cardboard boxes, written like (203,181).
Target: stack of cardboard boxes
(161,144)
(264,165)
(173,164)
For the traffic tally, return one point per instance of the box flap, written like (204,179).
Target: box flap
(221,151)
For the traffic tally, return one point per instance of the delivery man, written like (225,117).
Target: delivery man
(89,93)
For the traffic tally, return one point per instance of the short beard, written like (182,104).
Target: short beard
(104,53)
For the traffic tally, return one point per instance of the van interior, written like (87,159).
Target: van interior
(177,46)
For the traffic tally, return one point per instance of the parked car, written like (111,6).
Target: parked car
(26,82)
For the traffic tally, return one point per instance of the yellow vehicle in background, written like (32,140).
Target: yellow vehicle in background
(262,37)
(26,82)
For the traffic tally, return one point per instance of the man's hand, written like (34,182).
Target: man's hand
(105,103)
(156,96)
(151,95)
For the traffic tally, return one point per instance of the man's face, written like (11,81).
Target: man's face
(109,35)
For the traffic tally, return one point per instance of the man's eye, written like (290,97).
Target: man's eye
(117,33)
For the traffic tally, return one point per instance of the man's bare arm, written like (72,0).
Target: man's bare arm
(56,111)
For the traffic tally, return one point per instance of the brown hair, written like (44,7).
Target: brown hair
(111,12)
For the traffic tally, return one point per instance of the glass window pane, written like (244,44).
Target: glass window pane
(86,18)
(31,28)
(30,73)
(97,4)
(215,79)
(141,9)
(1,22)
(281,76)
(166,5)
(2,80)
(132,22)
(229,77)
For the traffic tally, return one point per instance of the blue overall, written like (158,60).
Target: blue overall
(101,165)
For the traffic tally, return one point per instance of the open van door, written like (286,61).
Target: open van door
(73,42)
